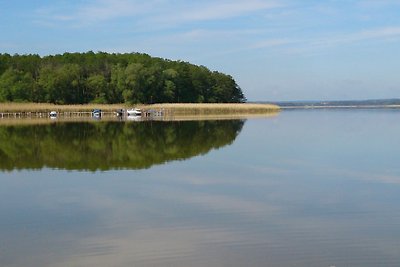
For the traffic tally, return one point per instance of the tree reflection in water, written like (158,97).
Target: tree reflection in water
(111,145)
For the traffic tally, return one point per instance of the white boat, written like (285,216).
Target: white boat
(53,114)
(134,112)
(96,113)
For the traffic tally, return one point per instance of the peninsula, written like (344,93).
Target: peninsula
(103,78)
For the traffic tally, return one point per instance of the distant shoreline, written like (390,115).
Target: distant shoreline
(343,107)
(392,103)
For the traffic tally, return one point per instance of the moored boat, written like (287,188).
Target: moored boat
(134,112)
(96,113)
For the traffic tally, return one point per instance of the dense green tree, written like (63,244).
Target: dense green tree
(48,84)
(7,81)
(169,90)
(4,62)
(118,84)
(16,86)
(69,83)
(111,78)
(96,89)
(134,82)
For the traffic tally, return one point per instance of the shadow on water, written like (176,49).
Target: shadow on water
(110,145)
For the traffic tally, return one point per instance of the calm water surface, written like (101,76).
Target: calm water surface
(304,188)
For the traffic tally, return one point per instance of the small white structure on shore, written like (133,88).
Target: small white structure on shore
(53,114)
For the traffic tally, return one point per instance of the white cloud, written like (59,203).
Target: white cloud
(228,9)
(317,44)
(92,12)
(378,34)
(167,12)
(109,9)
(272,43)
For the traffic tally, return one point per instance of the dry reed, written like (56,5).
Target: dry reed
(24,113)
(216,109)
(175,109)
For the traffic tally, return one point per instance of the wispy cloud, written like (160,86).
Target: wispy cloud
(227,9)
(106,9)
(154,11)
(268,43)
(93,12)
(318,43)
(377,3)
(379,34)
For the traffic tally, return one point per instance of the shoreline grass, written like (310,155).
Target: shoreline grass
(33,113)
(179,109)
(194,109)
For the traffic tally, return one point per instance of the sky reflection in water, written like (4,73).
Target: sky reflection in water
(306,188)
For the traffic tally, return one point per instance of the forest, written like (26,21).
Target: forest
(79,78)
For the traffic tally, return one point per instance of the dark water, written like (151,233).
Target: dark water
(305,188)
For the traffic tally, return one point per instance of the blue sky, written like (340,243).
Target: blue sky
(275,49)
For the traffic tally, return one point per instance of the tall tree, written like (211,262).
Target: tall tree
(111,78)
(16,86)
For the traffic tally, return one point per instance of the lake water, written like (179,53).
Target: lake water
(304,188)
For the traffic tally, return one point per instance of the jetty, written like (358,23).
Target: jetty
(153,111)
(120,113)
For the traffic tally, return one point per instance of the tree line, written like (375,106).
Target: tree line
(78,78)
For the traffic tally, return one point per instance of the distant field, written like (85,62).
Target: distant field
(175,109)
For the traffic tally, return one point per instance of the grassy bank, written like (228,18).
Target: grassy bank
(171,109)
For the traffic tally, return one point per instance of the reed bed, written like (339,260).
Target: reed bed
(31,113)
(189,109)
(174,109)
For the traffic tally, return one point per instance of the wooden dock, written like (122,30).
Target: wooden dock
(84,114)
